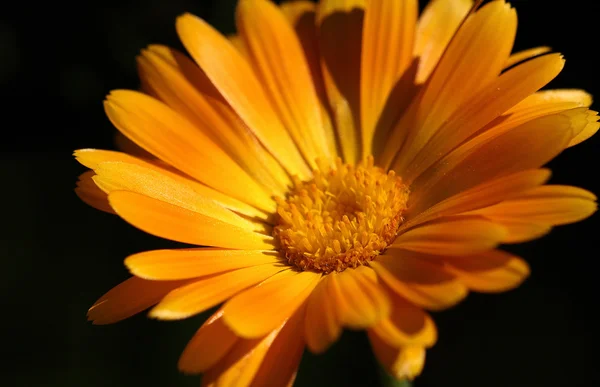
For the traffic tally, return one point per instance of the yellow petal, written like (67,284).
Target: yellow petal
(402,363)
(491,155)
(92,158)
(169,136)
(90,194)
(207,292)
(209,345)
(120,176)
(492,271)
(473,59)
(184,87)
(424,283)
(482,195)
(451,236)
(360,301)
(340,24)
(406,325)
(277,57)
(182,225)
(483,107)
(261,309)
(522,56)
(322,326)
(387,52)
(437,25)
(128,298)
(190,263)
(234,78)
(548,204)
(302,16)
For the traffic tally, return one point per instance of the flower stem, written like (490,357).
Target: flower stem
(388,380)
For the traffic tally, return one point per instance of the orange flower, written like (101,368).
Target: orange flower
(349,164)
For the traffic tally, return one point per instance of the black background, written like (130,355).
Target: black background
(59,60)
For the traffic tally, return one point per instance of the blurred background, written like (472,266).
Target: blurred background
(59,60)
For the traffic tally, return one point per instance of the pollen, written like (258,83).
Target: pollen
(344,217)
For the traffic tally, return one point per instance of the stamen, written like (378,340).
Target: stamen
(344,217)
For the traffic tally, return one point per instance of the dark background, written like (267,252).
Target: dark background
(59,60)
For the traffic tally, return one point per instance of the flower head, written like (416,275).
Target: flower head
(345,164)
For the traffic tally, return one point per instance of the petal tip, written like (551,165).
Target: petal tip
(159,313)
(183,21)
(129,263)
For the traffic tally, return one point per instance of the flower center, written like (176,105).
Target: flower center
(344,217)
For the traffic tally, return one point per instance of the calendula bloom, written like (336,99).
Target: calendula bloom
(345,164)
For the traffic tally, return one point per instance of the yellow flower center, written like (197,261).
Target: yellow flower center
(344,217)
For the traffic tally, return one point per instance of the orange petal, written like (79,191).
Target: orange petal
(422,282)
(482,195)
(483,107)
(261,309)
(240,365)
(179,82)
(238,43)
(589,130)
(547,204)
(209,345)
(128,298)
(522,56)
(182,225)
(163,132)
(360,302)
(406,325)
(302,16)
(277,57)
(518,231)
(492,271)
(545,99)
(340,24)
(271,360)
(545,103)
(92,158)
(234,78)
(281,363)
(387,52)
(451,236)
(401,363)
(190,263)
(473,59)
(437,25)
(120,176)
(491,155)
(90,194)
(322,326)
(125,145)
(399,100)
(205,293)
